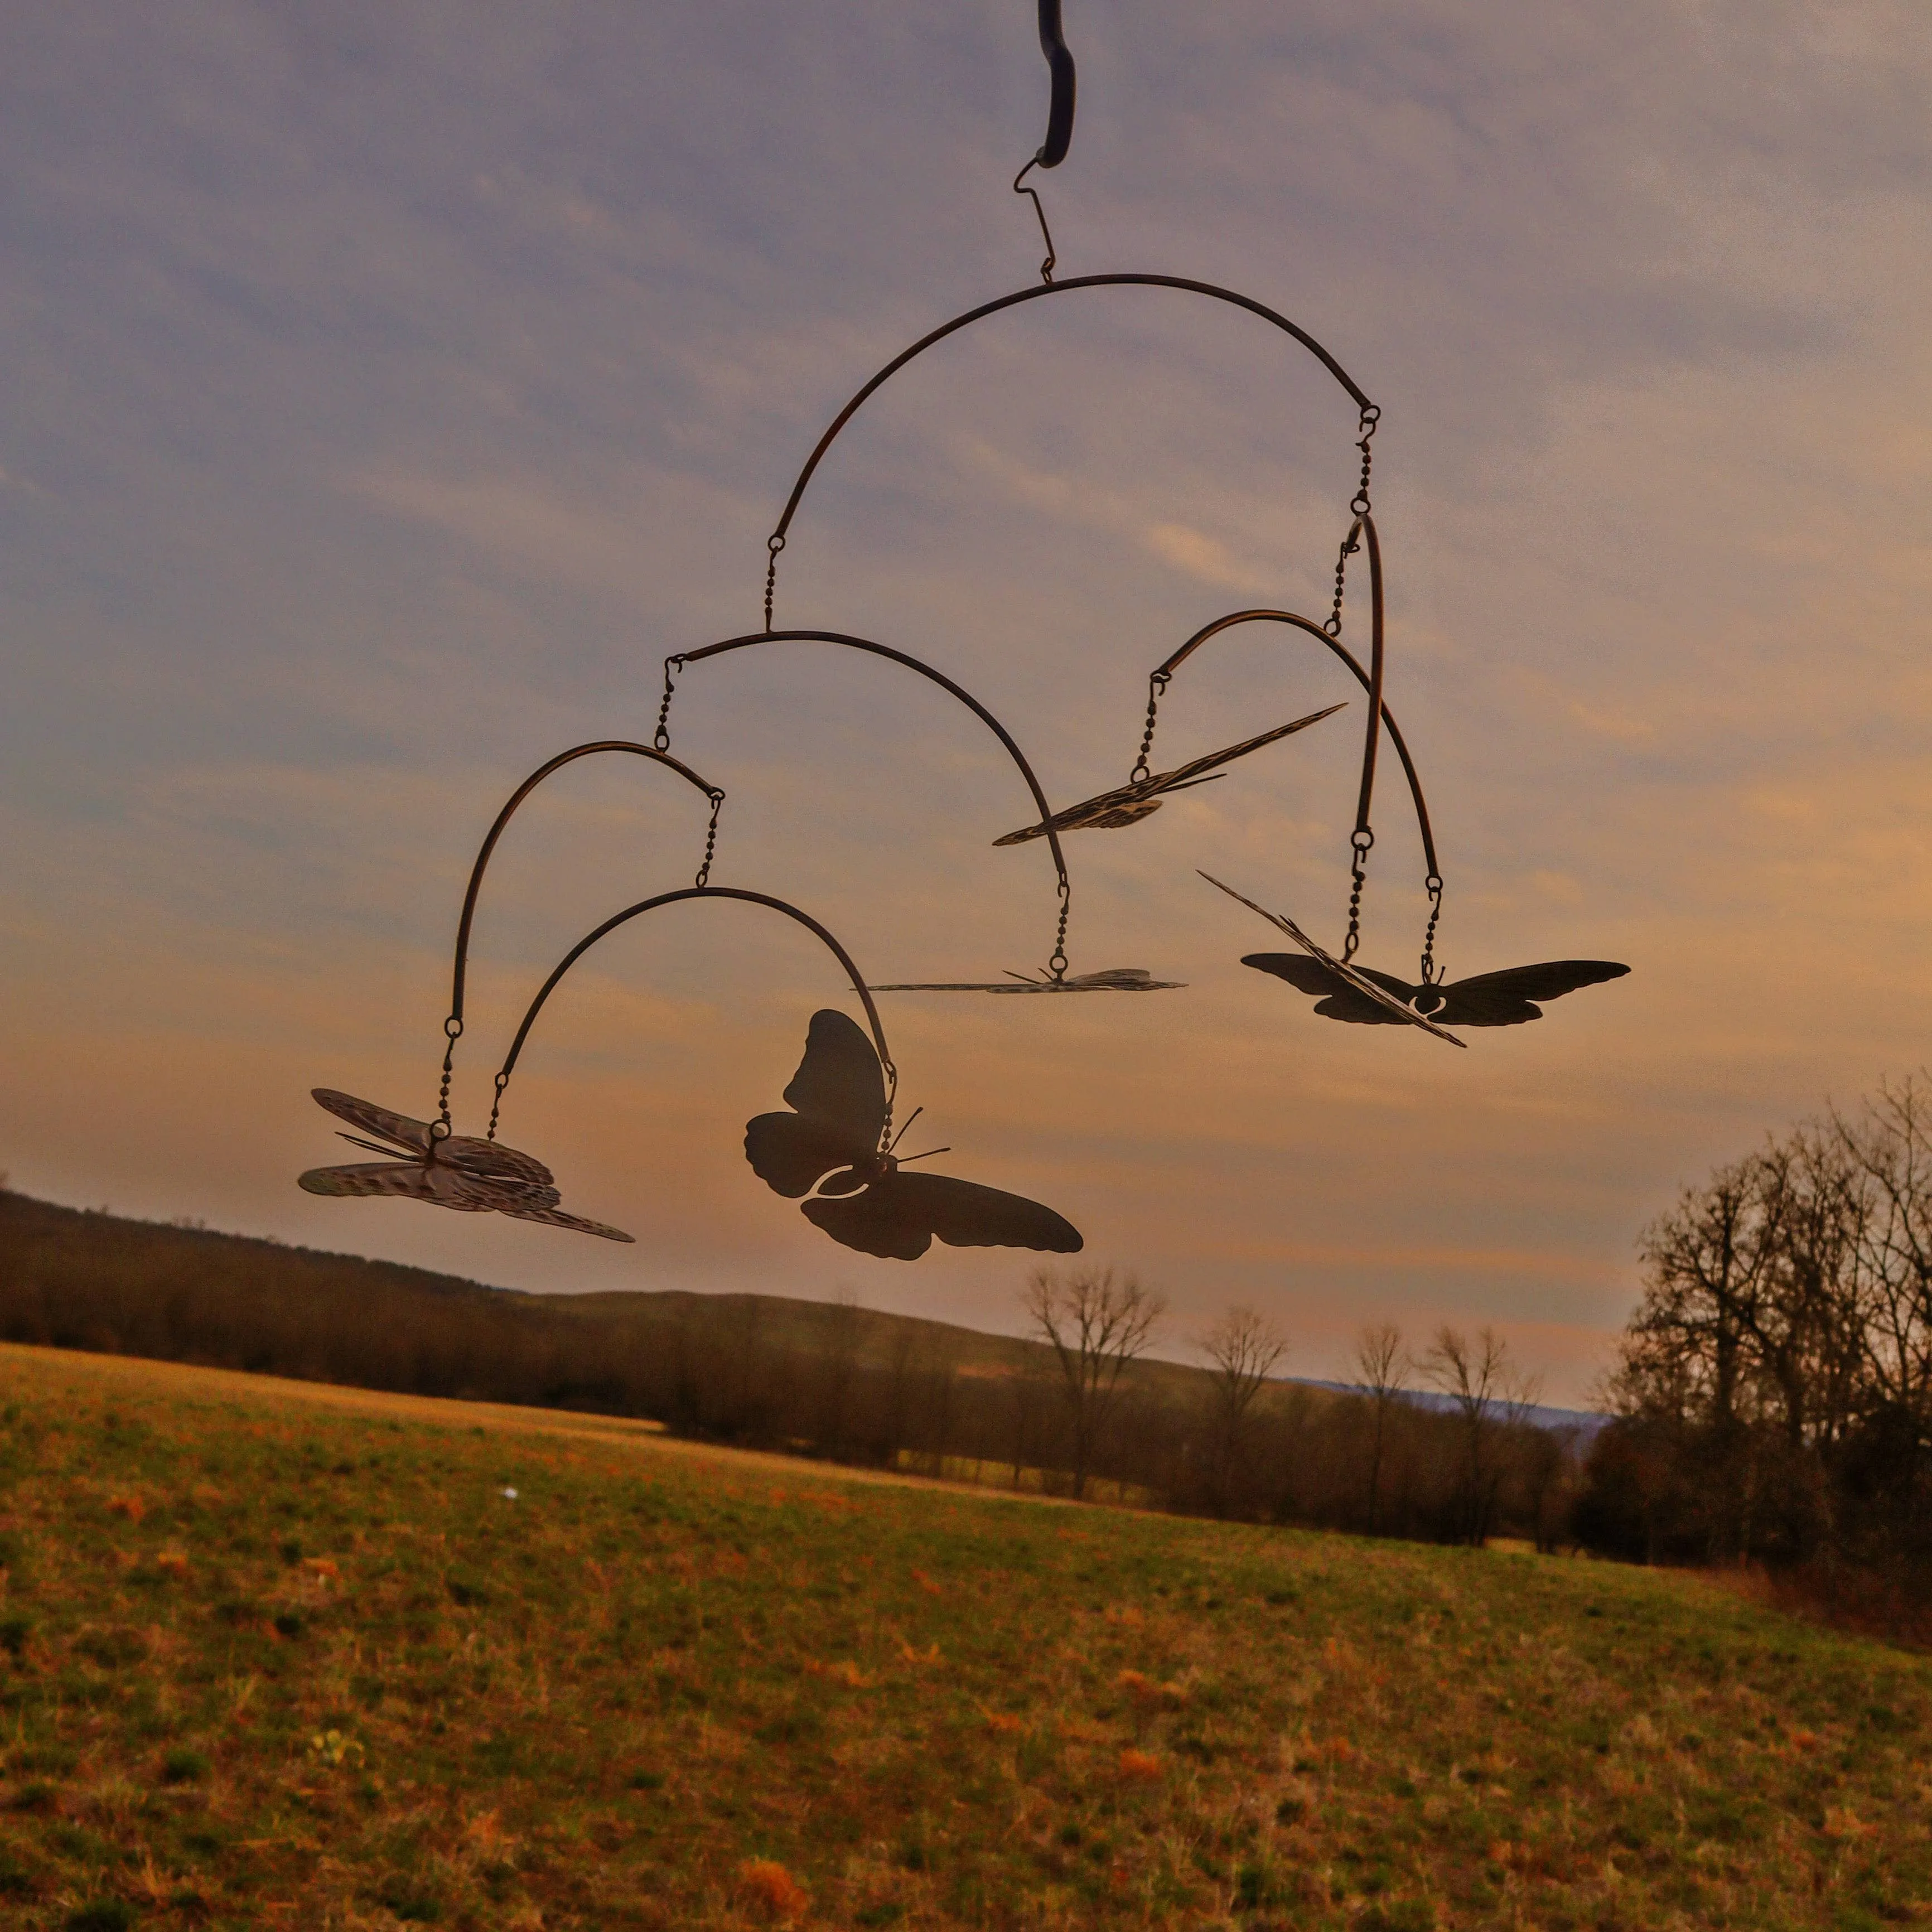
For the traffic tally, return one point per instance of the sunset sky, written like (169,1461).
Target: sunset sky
(389,388)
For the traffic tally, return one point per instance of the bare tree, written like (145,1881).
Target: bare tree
(1382,1365)
(1095,1326)
(1479,1379)
(1242,1349)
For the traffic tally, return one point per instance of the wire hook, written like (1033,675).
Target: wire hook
(1046,234)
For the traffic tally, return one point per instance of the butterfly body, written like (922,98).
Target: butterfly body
(1505,998)
(828,1154)
(447,1170)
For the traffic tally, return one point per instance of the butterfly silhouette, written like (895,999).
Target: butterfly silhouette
(449,1170)
(1487,1000)
(1109,980)
(833,1141)
(1129,804)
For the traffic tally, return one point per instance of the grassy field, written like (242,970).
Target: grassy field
(275,1654)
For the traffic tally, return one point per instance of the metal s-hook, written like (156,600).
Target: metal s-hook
(1060,110)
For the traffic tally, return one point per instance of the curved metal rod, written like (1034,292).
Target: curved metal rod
(517,797)
(804,919)
(1059,65)
(1362,677)
(776,540)
(1366,525)
(939,678)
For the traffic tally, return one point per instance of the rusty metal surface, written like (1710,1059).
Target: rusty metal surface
(444,1169)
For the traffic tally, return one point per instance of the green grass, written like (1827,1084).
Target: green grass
(262,1662)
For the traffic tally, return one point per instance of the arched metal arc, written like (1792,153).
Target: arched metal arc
(804,918)
(926,670)
(503,817)
(1362,677)
(777,539)
(1060,67)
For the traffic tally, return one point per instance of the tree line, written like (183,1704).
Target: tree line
(1774,1388)
(1079,1407)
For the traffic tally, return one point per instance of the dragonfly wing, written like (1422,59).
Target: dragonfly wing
(1507,998)
(491,1160)
(374,1120)
(399,1179)
(1182,774)
(555,1217)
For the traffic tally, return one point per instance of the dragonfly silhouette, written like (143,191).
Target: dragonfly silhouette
(1363,997)
(1109,980)
(1129,804)
(833,1141)
(446,1169)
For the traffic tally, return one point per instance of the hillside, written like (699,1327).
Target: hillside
(297,1656)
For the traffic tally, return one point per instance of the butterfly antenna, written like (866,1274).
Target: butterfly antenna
(1188,784)
(1025,978)
(397,1153)
(892,1144)
(927,1156)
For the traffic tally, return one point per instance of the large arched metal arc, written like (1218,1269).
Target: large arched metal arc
(1362,677)
(776,541)
(503,817)
(926,670)
(610,925)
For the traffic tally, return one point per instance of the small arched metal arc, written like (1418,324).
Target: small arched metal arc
(926,670)
(804,918)
(1362,677)
(517,797)
(1211,289)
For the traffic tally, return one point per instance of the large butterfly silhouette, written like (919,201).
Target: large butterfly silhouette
(448,1170)
(1506,998)
(832,1142)
(1129,804)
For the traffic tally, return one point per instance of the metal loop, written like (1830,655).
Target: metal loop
(452,1028)
(1359,504)
(1363,839)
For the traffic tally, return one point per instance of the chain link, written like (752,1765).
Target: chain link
(1434,885)
(661,738)
(452,1031)
(1359,845)
(1057,965)
(1358,508)
(773,546)
(497,1104)
(703,878)
(1156,684)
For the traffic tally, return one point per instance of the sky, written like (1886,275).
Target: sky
(389,389)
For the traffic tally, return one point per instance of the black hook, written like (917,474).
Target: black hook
(1059,114)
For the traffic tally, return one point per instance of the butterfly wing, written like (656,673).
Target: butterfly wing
(1507,998)
(839,1093)
(374,1120)
(1336,999)
(555,1217)
(399,1179)
(897,1217)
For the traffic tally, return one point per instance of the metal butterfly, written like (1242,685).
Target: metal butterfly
(834,1141)
(1358,985)
(448,1170)
(1129,804)
(1109,980)
(1487,1000)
